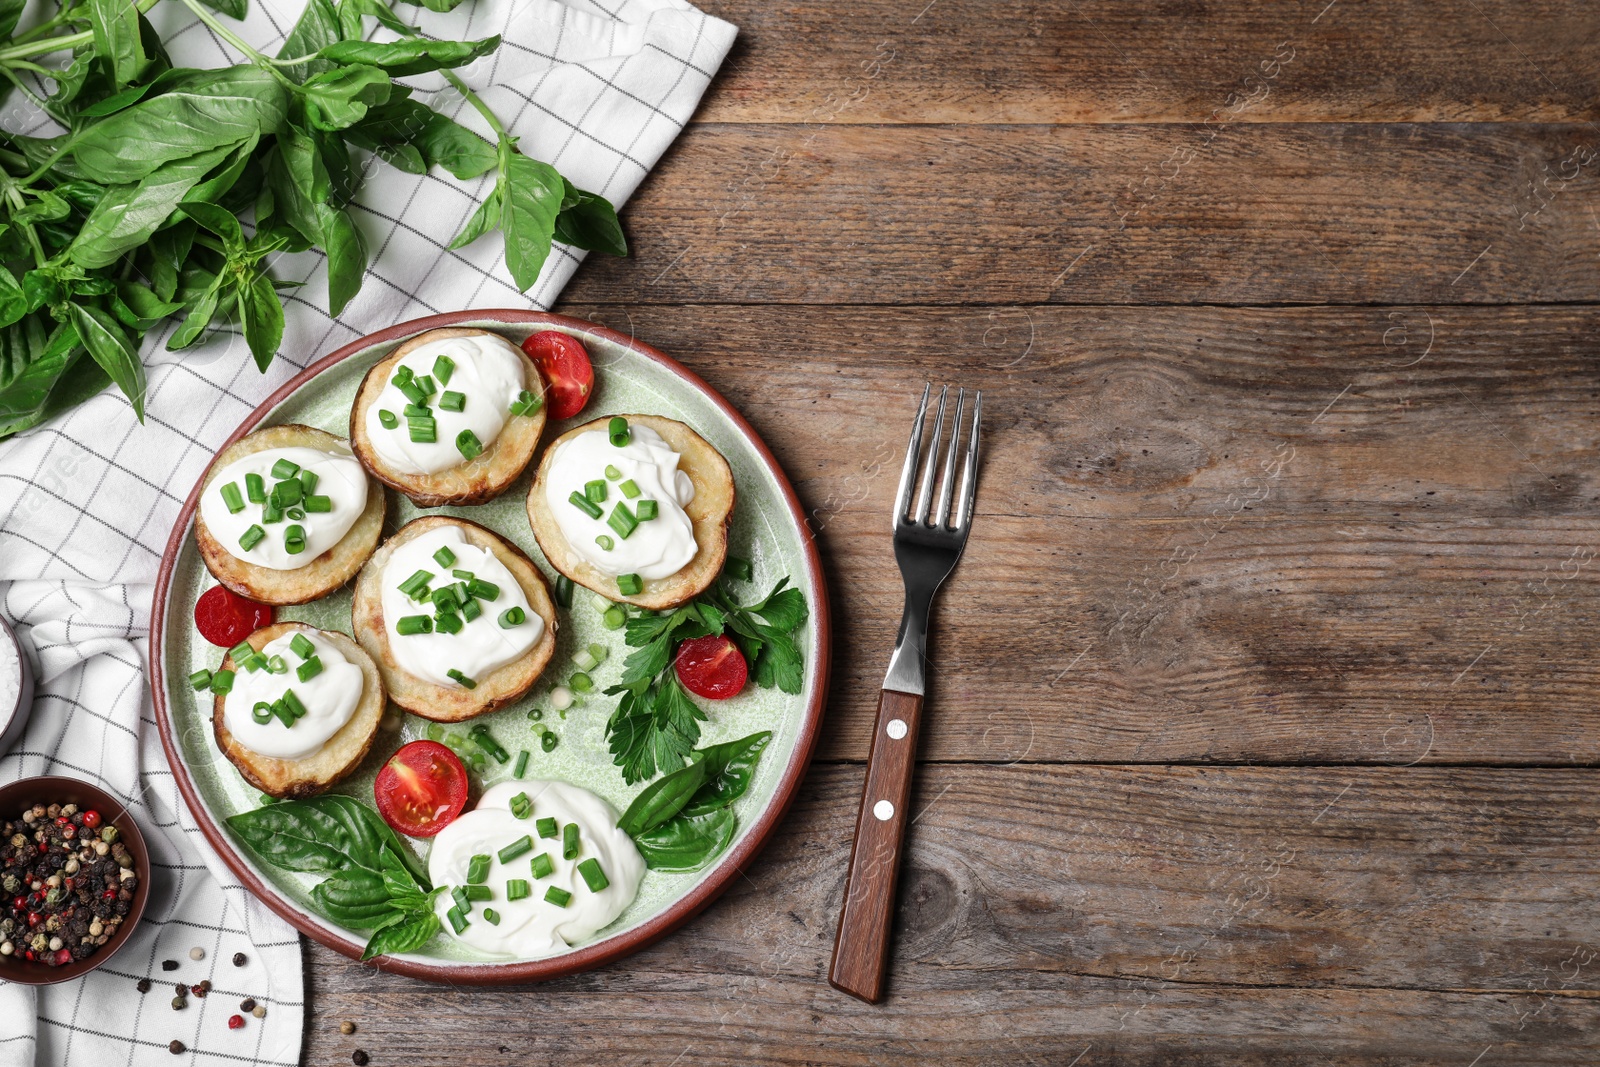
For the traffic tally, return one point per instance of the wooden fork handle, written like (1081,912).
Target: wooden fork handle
(861,950)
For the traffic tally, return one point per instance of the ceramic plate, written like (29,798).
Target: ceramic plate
(768,528)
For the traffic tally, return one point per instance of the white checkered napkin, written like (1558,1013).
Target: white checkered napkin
(87,500)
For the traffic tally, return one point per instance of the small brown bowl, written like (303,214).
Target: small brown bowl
(50,789)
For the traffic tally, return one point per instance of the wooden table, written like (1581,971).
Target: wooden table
(1264,722)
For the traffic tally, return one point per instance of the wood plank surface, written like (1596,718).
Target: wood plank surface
(1311,534)
(1110,61)
(1149,214)
(1401,915)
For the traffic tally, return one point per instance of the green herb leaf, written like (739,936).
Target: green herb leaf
(662,799)
(414,55)
(590,222)
(128,214)
(235,9)
(531,194)
(728,767)
(347,255)
(688,844)
(355,897)
(13,301)
(40,374)
(116,36)
(110,347)
(486,218)
(317,28)
(339,98)
(407,936)
(10,12)
(295,836)
(262,314)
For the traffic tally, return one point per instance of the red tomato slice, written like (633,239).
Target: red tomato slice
(564,362)
(225,618)
(711,667)
(421,789)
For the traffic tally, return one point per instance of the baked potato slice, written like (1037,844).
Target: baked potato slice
(709,512)
(320,576)
(474,482)
(441,703)
(340,754)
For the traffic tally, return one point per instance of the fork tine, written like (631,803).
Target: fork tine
(948,486)
(926,495)
(908,474)
(969,480)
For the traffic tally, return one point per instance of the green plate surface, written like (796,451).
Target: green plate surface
(764,530)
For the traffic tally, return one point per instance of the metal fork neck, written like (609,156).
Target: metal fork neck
(906,665)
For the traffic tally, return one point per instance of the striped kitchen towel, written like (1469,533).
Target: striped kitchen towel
(87,500)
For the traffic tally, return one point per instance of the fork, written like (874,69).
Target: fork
(927,550)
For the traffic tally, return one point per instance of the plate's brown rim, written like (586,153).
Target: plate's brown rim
(601,952)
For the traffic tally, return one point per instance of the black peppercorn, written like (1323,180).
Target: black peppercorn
(177,1048)
(169,965)
(359,1058)
(239,959)
(144,985)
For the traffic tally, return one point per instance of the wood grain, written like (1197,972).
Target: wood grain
(1402,915)
(1010,61)
(1240,214)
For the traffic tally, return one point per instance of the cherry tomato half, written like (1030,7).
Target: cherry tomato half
(225,618)
(564,362)
(711,667)
(421,789)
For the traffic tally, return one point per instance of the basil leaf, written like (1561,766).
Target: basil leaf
(486,218)
(220,222)
(109,346)
(138,307)
(446,143)
(356,897)
(662,799)
(10,12)
(117,101)
(366,844)
(47,206)
(200,110)
(294,836)
(531,199)
(29,395)
(235,9)
(262,313)
(292,179)
(437,5)
(590,223)
(169,248)
(347,256)
(115,24)
(729,767)
(199,317)
(128,214)
(687,844)
(407,936)
(215,187)
(339,98)
(13,302)
(414,55)
(317,28)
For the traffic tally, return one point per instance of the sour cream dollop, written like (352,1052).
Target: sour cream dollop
(330,698)
(659,547)
(488,373)
(532,926)
(482,645)
(339,478)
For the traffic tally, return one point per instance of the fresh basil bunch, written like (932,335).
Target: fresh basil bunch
(684,820)
(173,188)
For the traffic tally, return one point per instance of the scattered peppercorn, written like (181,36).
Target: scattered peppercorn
(239,959)
(144,985)
(359,1058)
(197,953)
(201,990)
(259,1011)
(236,1022)
(182,989)
(178,1003)
(247,1004)
(347,1027)
(169,965)
(177,1048)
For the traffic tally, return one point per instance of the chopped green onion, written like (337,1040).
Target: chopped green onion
(452,401)
(407,625)
(491,916)
(542,865)
(277,665)
(513,616)
(612,472)
(549,741)
(599,652)
(581,682)
(468,445)
(557,896)
(309,669)
(294,539)
(425,383)
(222,682)
(538,727)
(318,504)
(200,679)
(308,481)
(255,661)
(485,740)
(461,679)
(569,841)
(233,498)
(296,514)
(402,373)
(416,586)
(443,367)
(285,716)
(520,847)
(526,403)
(645,510)
(292,702)
(423,431)
(586,660)
(517,772)
(521,806)
(301,646)
(271,511)
(261,713)
(444,557)
(595,490)
(619,432)
(255,488)
(413,392)
(458,921)
(615,617)
(584,504)
(477,892)
(630,584)
(593,876)
(630,488)
(546,826)
(622,520)
(417,411)
(470,609)
(517,889)
(444,598)
(465,576)
(563,591)
(285,469)
(386,419)
(242,650)
(459,895)
(605,542)
(483,590)
(434,732)
(287,493)
(252,537)
(478,869)
(449,622)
